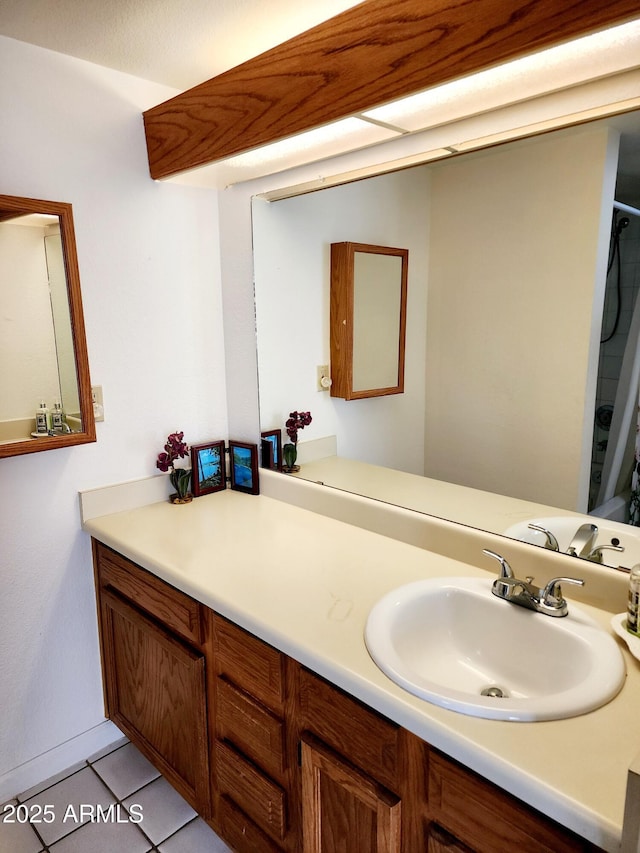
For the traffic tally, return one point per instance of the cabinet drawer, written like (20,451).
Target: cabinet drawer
(251,664)
(240,832)
(251,727)
(370,741)
(256,794)
(488,819)
(168,605)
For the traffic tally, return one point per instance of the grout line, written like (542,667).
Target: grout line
(45,847)
(107,754)
(19,799)
(179,829)
(121,802)
(90,764)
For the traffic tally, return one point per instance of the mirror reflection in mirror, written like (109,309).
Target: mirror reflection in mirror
(509,254)
(42,346)
(367,320)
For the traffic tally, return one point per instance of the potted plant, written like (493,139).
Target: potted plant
(296,421)
(174,449)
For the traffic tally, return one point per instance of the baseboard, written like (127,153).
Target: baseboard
(56,760)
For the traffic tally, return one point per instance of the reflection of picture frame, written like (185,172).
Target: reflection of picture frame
(272,449)
(243,462)
(208,468)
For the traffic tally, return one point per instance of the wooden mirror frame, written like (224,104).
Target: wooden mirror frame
(342,313)
(10,207)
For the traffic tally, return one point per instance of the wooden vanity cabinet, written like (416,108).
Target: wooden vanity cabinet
(277,759)
(154,671)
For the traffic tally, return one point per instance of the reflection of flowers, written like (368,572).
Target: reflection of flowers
(296,421)
(175,448)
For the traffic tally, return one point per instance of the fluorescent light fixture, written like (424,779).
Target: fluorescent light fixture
(323,183)
(574,63)
(571,82)
(547,124)
(308,147)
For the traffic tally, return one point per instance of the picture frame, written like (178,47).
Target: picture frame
(208,468)
(272,449)
(243,464)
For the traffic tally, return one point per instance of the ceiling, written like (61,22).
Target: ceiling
(179,43)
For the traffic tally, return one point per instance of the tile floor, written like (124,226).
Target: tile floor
(140,812)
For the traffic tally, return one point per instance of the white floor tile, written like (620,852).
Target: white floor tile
(66,799)
(103,838)
(125,770)
(16,837)
(195,837)
(164,810)
(52,780)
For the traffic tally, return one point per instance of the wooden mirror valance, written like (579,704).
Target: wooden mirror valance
(370,54)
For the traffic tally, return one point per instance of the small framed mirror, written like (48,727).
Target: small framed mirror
(45,389)
(368,312)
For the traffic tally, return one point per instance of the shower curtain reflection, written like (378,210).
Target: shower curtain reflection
(618,374)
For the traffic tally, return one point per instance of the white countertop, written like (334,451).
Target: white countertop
(305,583)
(462,504)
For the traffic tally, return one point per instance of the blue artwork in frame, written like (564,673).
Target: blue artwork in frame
(243,462)
(272,449)
(208,466)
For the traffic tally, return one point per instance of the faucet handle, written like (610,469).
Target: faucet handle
(596,555)
(505,569)
(552,593)
(550,540)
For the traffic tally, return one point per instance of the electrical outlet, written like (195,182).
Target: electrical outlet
(98,405)
(323,377)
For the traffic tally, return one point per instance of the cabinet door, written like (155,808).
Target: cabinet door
(155,686)
(343,810)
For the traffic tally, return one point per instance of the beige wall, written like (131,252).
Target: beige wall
(515,265)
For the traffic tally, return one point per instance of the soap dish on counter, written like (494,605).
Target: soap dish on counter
(619,625)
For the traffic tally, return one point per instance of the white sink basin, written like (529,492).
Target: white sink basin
(564,529)
(447,640)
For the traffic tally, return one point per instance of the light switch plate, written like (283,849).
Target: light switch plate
(98,404)
(322,372)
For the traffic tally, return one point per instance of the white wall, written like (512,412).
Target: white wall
(150,274)
(292,245)
(516,282)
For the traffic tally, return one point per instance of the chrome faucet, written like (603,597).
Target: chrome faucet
(583,541)
(548,600)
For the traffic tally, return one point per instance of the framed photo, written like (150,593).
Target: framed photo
(272,449)
(208,468)
(243,461)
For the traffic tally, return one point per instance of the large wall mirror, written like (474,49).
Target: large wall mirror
(42,340)
(516,328)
